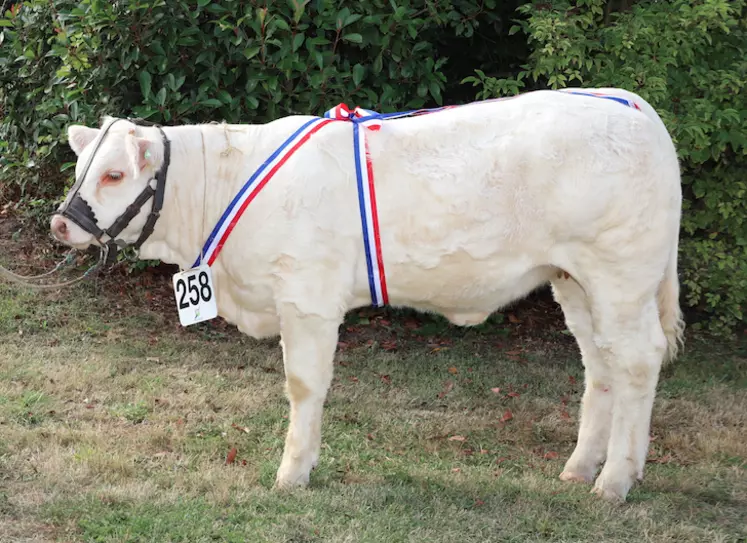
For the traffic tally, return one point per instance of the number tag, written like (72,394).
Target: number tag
(195,295)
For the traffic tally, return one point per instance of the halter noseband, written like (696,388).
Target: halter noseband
(76,209)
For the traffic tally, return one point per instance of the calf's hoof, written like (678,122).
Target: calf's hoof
(612,487)
(285,481)
(608,495)
(294,472)
(572,477)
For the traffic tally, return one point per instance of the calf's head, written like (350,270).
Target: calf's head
(116,165)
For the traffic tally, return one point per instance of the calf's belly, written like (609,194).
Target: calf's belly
(468,295)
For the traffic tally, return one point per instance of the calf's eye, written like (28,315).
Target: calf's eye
(114,176)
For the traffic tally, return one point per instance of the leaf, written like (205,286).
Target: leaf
(389,345)
(378,64)
(495,390)
(353,37)
(514,394)
(457,438)
(231,456)
(448,385)
(252,102)
(211,102)
(435,91)
(298,41)
(240,428)
(161,97)
(550,455)
(251,52)
(452,370)
(203,3)
(358,72)
(145,81)
(507,416)
(513,319)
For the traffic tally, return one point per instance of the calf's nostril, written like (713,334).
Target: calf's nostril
(59,227)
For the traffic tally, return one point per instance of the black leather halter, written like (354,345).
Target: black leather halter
(79,211)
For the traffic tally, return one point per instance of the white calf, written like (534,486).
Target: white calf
(477,206)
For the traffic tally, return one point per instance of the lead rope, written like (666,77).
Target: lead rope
(25,280)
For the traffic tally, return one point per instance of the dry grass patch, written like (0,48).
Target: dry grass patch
(116,425)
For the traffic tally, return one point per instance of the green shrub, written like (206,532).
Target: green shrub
(65,62)
(689,60)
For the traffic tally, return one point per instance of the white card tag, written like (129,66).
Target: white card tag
(195,295)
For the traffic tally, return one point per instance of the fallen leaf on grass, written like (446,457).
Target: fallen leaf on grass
(457,438)
(513,319)
(386,379)
(240,428)
(453,370)
(389,345)
(495,390)
(507,416)
(456,470)
(513,353)
(448,385)
(514,394)
(353,378)
(412,324)
(572,379)
(231,456)
(550,455)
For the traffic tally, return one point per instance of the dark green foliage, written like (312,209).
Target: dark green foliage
(689,60)
(64,62)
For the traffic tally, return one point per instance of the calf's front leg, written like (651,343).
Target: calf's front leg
(308,343)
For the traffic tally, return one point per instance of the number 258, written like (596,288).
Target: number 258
(202,290)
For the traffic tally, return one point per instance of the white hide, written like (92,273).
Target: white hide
(478,205)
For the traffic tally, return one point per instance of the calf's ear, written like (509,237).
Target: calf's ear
(143,153)
(79,136)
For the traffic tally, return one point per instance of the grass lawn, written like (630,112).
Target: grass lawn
(117,425)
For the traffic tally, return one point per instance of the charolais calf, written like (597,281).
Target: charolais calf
(457,211)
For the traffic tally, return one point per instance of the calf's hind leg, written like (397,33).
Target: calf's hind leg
(309,343)
(596,404)
(632,341)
